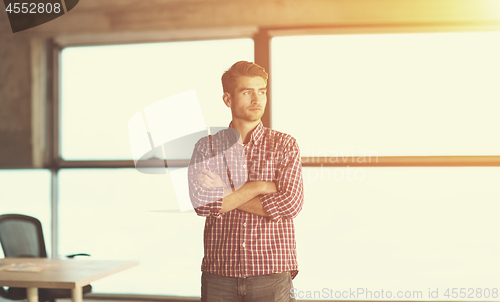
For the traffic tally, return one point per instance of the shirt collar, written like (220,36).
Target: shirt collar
(257,132)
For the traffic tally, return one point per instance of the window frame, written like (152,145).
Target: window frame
(390,161)
(53,160)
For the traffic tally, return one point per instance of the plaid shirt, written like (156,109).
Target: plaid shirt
(237,243)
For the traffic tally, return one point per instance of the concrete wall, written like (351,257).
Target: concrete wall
(21,75)
(15,101)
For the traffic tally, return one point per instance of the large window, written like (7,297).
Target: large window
(407,229)
(127,215)
(388,94)
(102,87)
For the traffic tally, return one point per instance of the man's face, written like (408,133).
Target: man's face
(248,100)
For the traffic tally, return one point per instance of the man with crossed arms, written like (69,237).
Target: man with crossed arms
(247,182)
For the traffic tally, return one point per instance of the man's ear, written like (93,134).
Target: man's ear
(226,97)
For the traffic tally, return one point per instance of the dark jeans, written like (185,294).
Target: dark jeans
(265,288)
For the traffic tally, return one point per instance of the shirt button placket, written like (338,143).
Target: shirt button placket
(243,249)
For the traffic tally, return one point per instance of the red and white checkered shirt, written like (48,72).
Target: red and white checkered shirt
(237,243)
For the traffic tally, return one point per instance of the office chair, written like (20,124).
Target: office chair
(21,236)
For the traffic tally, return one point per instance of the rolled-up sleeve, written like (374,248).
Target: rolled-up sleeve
(206,202)
(288,201)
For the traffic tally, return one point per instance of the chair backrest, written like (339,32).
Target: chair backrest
(21,236)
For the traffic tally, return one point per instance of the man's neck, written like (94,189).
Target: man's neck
(245,128)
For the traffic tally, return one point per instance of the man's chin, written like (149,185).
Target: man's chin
(257,116)
(255,119)
(251,117)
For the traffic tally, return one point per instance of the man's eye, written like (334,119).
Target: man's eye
(262,92)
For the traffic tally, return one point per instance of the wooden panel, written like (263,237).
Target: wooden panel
(403,161)
(381,161)
(38,101)
(155,36)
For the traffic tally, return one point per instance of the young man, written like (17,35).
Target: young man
(247,182)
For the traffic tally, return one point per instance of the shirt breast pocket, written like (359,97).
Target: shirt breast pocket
(264,168)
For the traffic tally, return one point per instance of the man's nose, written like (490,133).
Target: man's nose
(257,98)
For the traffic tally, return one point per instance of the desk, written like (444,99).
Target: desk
(63,273)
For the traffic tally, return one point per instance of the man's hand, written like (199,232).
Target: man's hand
(208,179)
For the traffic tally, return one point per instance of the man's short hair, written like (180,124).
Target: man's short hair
(241,69)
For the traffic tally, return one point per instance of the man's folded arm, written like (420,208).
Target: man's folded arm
(239,199)
(247,198)
(205,201)
(254,206)
(216,200)
(288,201)
(219,200)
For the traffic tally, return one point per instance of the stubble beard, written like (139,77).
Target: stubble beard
(249,116)
(253,116)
